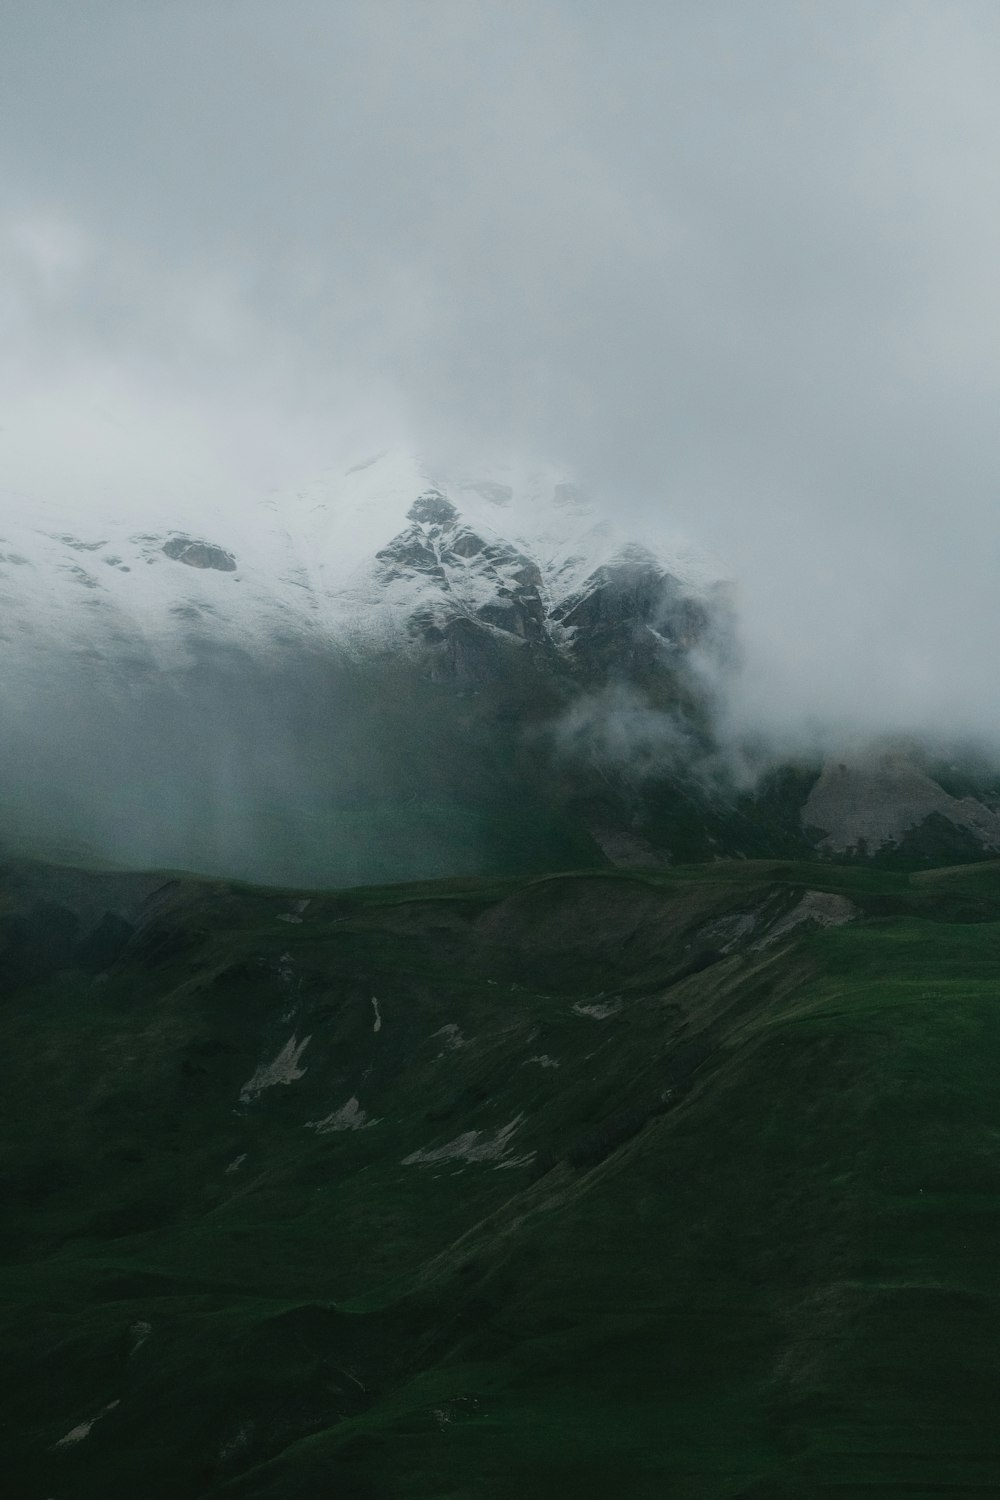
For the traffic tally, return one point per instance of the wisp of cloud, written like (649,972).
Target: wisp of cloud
(733,266)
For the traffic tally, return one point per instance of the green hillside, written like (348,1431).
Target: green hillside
(672,1186)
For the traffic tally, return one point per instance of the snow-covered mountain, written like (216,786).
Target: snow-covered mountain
(386,552)
(392,672)
(361,679)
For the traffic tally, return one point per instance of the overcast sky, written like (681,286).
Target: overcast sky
(732,262)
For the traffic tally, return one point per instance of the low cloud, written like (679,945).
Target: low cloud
(618,732)
(734,267)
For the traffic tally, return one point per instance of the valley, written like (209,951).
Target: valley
(679,1182)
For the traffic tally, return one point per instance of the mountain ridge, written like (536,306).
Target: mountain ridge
(305,563)
(436,674)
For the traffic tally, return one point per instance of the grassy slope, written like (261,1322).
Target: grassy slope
(742,1243)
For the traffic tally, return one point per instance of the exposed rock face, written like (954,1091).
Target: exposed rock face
(630,614)
(484,579)
(820,908)
(481,569)
(474,594)
(432,509)
(471,596)
(873,802)
(199,554)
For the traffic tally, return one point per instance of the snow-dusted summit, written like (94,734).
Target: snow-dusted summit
(360,679)
(383,554)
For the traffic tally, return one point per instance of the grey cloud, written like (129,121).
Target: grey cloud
(733,264)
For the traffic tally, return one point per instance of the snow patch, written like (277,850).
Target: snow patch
(822,907)
(284,1069)
(453,1039)
(473,1145)
(350,1116)
(599,1011)
(139,1333)
(378,1015)
(543,1060)
(78,1433)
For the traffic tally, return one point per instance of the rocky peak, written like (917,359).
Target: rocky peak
(432,509)
(629,613)
(440,544)
(464,592)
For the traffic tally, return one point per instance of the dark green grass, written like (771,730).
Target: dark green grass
(769,1270)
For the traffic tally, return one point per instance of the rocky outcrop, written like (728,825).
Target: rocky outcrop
(199,554)
(482,578)
(875,800)
(474,593)
(629,615)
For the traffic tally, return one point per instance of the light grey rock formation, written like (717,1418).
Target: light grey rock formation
(873,800)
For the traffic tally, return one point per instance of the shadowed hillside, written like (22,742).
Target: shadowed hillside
(676,1184)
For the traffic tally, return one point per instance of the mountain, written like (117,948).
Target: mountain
(368,679)
(357,560)
(673,1182)
(395,673)
(648,1153)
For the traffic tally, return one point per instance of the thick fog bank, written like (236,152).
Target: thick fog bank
(732,266)
(301,769)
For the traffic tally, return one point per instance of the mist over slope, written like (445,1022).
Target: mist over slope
(733,274)
(398,672)
(365,680)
